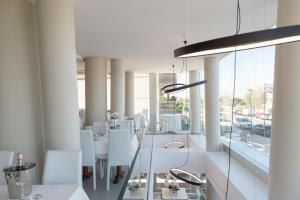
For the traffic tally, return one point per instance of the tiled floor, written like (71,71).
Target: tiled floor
(101,193)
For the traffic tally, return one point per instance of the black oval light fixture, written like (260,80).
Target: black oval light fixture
(174,144)
(176,173)
(256,39)
(170,88)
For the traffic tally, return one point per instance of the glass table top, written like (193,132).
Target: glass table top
(164,181)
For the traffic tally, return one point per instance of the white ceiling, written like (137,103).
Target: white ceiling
(145,32)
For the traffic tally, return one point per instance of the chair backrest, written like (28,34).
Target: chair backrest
(87,147)
(100,128)
(119,147)
(124,125)
(63,167)
(6,159)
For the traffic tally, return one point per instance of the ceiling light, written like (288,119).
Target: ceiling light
(243,41)
(169,89)
(171,86)
(181,175)
(174,144)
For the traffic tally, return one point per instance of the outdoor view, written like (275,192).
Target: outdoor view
(141,94)
(174,107)
(253,97)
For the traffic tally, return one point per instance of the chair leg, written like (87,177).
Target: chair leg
(108,177)
(94,176)
(101,169)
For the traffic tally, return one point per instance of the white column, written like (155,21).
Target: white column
(212,110)
(95,89)
(58,73)
(21,127)
(212,113)
(195,102)
(117,87)
(285,139)
(153,102)
(129,94)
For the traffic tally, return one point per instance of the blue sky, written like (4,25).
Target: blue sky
(255,68)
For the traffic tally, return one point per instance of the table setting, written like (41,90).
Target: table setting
(19,180)
(49,192)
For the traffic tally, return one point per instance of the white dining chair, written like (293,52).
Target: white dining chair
(100,128)
(6,159)
(88,152)
(118,151)
(63,167)
(102,158)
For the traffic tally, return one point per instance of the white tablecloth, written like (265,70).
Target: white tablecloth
(52,192)
(101,145)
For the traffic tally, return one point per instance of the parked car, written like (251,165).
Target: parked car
(242,122)
(260,129)
(225,125)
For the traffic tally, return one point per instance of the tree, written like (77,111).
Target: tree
(173,98)
(179,106)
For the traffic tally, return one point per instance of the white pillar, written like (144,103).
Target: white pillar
(285,139)
(95,89)
(117,87)
(195,102)
(58,73)
(212,110)
(153,102)
(21,127)
(212,113)
(129,94)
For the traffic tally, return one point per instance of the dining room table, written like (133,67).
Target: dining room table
(50,192)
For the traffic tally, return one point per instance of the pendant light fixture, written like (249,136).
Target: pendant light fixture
(176,144)
(243,41)
(237,42)
(186,176)
(178,172)
(176,87)
(170,88)
(173,143)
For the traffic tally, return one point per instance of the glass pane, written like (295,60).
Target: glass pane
(174,108)
(252,111)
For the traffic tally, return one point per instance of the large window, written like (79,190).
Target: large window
(174,109)
(253,97)
(81,93)
(141,94)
